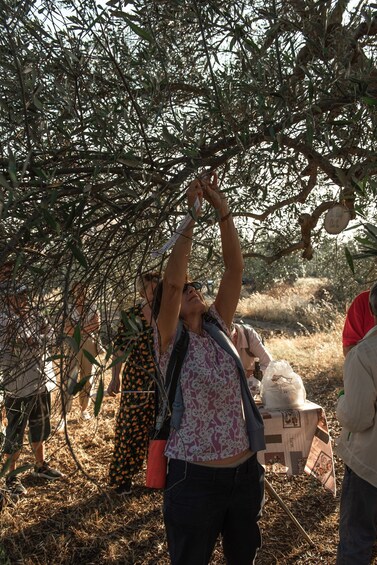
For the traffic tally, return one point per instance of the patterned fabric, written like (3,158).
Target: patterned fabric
(135,417)
(212,425)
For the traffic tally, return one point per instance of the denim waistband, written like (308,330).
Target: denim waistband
(193,470)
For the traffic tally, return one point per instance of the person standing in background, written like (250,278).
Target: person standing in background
(24,337)
(250,346)
(359,320)
(85,314)
(135,417)
(254,356)
(357,446)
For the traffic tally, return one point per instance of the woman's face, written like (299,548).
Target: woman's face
(192,302)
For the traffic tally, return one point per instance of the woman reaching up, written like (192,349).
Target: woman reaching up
(214,483)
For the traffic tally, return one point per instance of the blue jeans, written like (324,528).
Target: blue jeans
(200,503)
(358,520)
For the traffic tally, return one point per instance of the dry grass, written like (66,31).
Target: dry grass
(306,306)
(79,521)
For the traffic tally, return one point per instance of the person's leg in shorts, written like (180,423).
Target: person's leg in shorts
(39,425)
(17,414)
(39,430)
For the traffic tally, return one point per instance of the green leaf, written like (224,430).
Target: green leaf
(80,385)
(309,130)
(372,230)
(20,259)
(50,220)
(133,325)
(251,45)
(141,32)
(349,259)
(37,103)
(99,397)
(130,324)
(109,352)
(210,252)
(21,469)
(56,357)
(77,335)
(169,137)
(12,169)
(91,358)
(365,254)
(369,100)
(129,162)
(78,254)
(4,182)
(121,358)
(72,343)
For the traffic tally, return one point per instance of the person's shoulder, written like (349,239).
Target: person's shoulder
(248,328)
(370,337)
(366,348)
(362,298)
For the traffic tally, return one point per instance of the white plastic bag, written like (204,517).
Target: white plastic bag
(281,387)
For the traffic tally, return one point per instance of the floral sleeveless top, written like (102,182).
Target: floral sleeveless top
(213,425)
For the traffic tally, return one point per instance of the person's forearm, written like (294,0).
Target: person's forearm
(116,371)
(116,368)
(176,268)
(90,327)
(230,242)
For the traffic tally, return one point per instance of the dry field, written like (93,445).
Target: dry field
(79,521)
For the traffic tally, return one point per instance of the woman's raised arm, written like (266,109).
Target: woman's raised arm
(175,274)
(230,286)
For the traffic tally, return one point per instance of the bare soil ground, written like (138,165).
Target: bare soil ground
(78,520)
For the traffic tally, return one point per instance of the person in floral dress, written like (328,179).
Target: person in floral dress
(135,416)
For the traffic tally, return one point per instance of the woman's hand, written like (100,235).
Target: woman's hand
(212,194)
(194,191)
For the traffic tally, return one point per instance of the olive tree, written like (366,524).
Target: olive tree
(108,110)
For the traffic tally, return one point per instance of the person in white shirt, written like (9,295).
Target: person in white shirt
(357,446)
(24,377)
(250,347)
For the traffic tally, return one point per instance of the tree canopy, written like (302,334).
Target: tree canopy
(108,110)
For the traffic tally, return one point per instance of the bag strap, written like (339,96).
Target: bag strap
(175,363)
(164,409)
